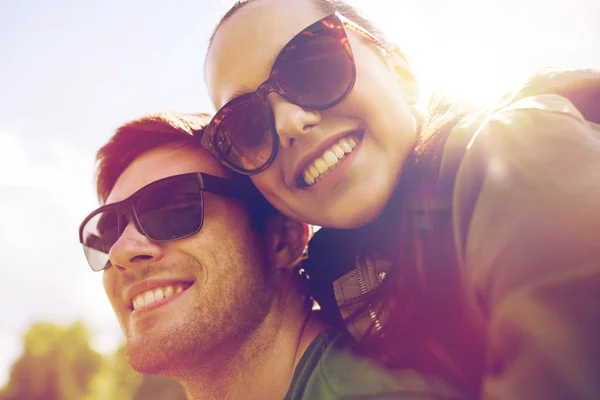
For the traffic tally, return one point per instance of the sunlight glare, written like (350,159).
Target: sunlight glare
(476,51)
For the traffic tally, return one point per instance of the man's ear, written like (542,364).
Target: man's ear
(286,240)
(399,64)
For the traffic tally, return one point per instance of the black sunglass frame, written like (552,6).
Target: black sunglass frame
(242,190)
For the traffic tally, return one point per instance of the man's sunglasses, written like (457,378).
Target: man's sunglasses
(315,70)
(168,209)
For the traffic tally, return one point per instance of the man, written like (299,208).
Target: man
(202,274)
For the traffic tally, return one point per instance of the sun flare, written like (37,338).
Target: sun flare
(479,51)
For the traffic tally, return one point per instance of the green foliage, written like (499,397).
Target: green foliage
(58,363)
(116,379)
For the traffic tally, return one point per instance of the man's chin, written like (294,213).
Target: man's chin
(155,357)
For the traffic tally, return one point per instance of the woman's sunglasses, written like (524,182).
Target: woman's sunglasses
(315,70)
(165,210)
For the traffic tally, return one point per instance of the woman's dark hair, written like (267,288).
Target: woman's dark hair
(328,7)
(432,326)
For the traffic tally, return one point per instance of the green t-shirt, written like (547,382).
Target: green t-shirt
(329,370)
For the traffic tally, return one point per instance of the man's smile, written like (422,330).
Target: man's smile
(152,294)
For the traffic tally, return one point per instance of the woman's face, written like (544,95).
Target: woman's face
(375,118)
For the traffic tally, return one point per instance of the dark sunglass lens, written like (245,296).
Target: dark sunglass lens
(171,211)
(99,234)
(316,71)
(244,137)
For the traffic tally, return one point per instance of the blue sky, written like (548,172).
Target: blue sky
(73,71)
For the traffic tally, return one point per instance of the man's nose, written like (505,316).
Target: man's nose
(291,121)
(133,249)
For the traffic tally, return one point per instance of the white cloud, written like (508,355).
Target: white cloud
(45,190)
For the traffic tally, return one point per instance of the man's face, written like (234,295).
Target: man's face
(225,285)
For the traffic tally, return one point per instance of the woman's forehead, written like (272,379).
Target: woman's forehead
(245,44)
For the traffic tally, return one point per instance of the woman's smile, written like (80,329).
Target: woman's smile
(317,168)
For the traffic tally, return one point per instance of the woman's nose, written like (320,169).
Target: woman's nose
(291,121)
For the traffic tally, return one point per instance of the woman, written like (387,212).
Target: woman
(469,217)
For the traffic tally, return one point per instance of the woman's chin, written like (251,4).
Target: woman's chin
(351,217)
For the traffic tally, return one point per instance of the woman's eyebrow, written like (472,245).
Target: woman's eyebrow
(237,93)
(244,90)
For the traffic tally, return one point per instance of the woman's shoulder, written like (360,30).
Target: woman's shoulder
(526,219)
(547,106)
(533,136)
(541,141)
(537,137)
(536,120)
(531,124)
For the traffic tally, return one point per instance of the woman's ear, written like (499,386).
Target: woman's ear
(399,64)
(286,240)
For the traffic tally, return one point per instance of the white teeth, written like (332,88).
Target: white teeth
(308,178)
(138,302)
(321,165)
(149,297)
(330,158)
(345,145)
(353,142)
(146,298)
(339,152)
